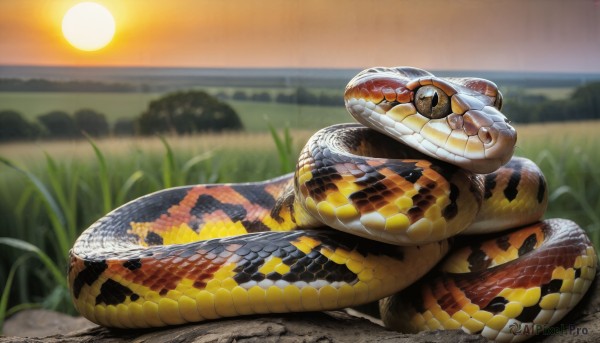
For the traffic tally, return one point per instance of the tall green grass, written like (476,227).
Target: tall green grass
(50,193)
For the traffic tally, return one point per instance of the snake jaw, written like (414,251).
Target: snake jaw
(474,134)
(477,140)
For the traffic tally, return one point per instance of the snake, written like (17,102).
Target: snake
(420,203)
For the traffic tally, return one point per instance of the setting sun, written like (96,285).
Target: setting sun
(88,26)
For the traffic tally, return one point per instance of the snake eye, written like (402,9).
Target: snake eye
(432,102)
(498,101)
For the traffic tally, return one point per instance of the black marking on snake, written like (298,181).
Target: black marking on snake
(541,188)
(528,244)
(408,170)
(113,293)
(234,211)
(369,178)
(489,185)
(529,313)
(89,275)
(451,210)
(255,226)
(478,259)
(577,273)
(256,195)
(152,238)
(366,246)
(503,243)
(370,197)
(422,201)
(322,181)
(133,264)
(305,267)
(496,305)
(511,189)
(149,209)
(551,287)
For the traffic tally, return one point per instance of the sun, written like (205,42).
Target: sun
(88,26)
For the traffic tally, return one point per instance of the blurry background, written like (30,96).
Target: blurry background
(228,91)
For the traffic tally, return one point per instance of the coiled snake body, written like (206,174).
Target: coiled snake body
(155,261)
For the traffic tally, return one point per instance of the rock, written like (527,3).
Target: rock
(40,323)
(581,325)
(335,326)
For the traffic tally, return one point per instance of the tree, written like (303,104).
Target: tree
(188,112)
(519,112)
(91,122)
(586,100)
(222,95)
(124,127)
(304,97)
(240,95)
(262,96)
(59,124)
(286,98)
(331,100)
(14,127)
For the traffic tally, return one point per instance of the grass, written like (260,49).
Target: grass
(51,191)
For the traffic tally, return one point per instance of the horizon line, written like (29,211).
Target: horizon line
(498,71)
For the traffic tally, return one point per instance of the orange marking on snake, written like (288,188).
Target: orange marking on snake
(179,213)
(164,274)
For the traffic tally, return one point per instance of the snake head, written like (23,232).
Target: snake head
(457,120)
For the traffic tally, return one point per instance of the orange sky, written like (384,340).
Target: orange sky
(528,35)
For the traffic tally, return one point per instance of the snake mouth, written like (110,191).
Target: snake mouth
(386,106)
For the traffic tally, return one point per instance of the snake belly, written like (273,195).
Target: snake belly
(367,213)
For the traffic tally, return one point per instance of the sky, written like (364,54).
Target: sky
(502,35)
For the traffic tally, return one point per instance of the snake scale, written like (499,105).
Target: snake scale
(371,208)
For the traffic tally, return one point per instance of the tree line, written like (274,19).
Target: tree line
(58,125)
(178,113)
(300,96)
(582,104)
(43,85)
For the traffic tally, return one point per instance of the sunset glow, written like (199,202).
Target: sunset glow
(507,35)
(88,26)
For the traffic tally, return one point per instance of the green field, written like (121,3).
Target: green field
(63,187)
(254,115)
